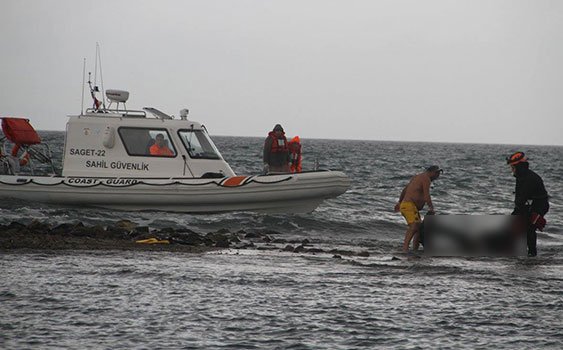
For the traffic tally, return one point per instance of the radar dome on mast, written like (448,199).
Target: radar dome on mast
(117,96)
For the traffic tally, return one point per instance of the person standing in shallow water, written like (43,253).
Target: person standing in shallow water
(276,151)
(531,201)
(413,198)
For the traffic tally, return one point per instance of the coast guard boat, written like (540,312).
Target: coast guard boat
(114,158)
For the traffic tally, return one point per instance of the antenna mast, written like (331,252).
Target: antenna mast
(83,83)
(99,57)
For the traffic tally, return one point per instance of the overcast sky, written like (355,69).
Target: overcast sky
(486,71)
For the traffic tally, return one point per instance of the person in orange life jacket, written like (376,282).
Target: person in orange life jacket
(295,155)
(531,201)
(159,148)
(276,152)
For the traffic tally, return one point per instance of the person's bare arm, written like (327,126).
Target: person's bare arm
(401,198)
(426,192)
(403,194)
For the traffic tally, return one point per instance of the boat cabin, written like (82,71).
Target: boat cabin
(131,144)
(106,142)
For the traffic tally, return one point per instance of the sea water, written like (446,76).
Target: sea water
(268,299)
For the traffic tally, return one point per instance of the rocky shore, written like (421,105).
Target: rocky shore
(127,235)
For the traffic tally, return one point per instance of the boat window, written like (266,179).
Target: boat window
(198,144)
(147,142)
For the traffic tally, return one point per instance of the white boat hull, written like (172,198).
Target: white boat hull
(287,193)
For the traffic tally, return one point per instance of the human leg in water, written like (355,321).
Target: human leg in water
(416,240)
(412,231)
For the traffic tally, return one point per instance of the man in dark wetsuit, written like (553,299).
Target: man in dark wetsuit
(276,151)
(531,199)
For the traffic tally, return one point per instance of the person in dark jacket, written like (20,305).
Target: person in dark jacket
(531,199)
(276,151)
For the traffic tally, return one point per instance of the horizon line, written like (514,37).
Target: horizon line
(393,141)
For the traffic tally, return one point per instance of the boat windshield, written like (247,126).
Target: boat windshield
(198,144)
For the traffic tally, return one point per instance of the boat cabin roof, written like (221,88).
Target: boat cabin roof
(140,117)
(128,143)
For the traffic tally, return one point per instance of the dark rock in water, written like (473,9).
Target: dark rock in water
(208,242)
(363,254)
(241,232)
(186,231)
(217,236)
(235,239)
(126,225)
(252,235)
(299,249)
(14,225)
(336,256)
(266,247)
(288,248)
(191,238)
(69,229)
(100,232)
(223,244)
(38,227)
(243,245)
(166,230)
(63,229)
(315,250)
(77,236)
(140,230)
(395,258)
(224,231)
(279,240)
(341,252)
(266,239)
(117,232)
(305,241)
(82,231)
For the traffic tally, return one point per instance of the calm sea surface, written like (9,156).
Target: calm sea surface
(266,299)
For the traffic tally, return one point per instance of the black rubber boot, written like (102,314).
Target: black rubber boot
(531,237)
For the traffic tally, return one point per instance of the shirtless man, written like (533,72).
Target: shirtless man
(413,198)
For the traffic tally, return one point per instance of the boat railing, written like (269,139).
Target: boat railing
(115,113)
(40,153)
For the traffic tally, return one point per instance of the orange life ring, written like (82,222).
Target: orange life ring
(24,158)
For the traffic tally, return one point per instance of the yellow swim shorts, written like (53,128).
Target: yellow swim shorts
(410,212)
